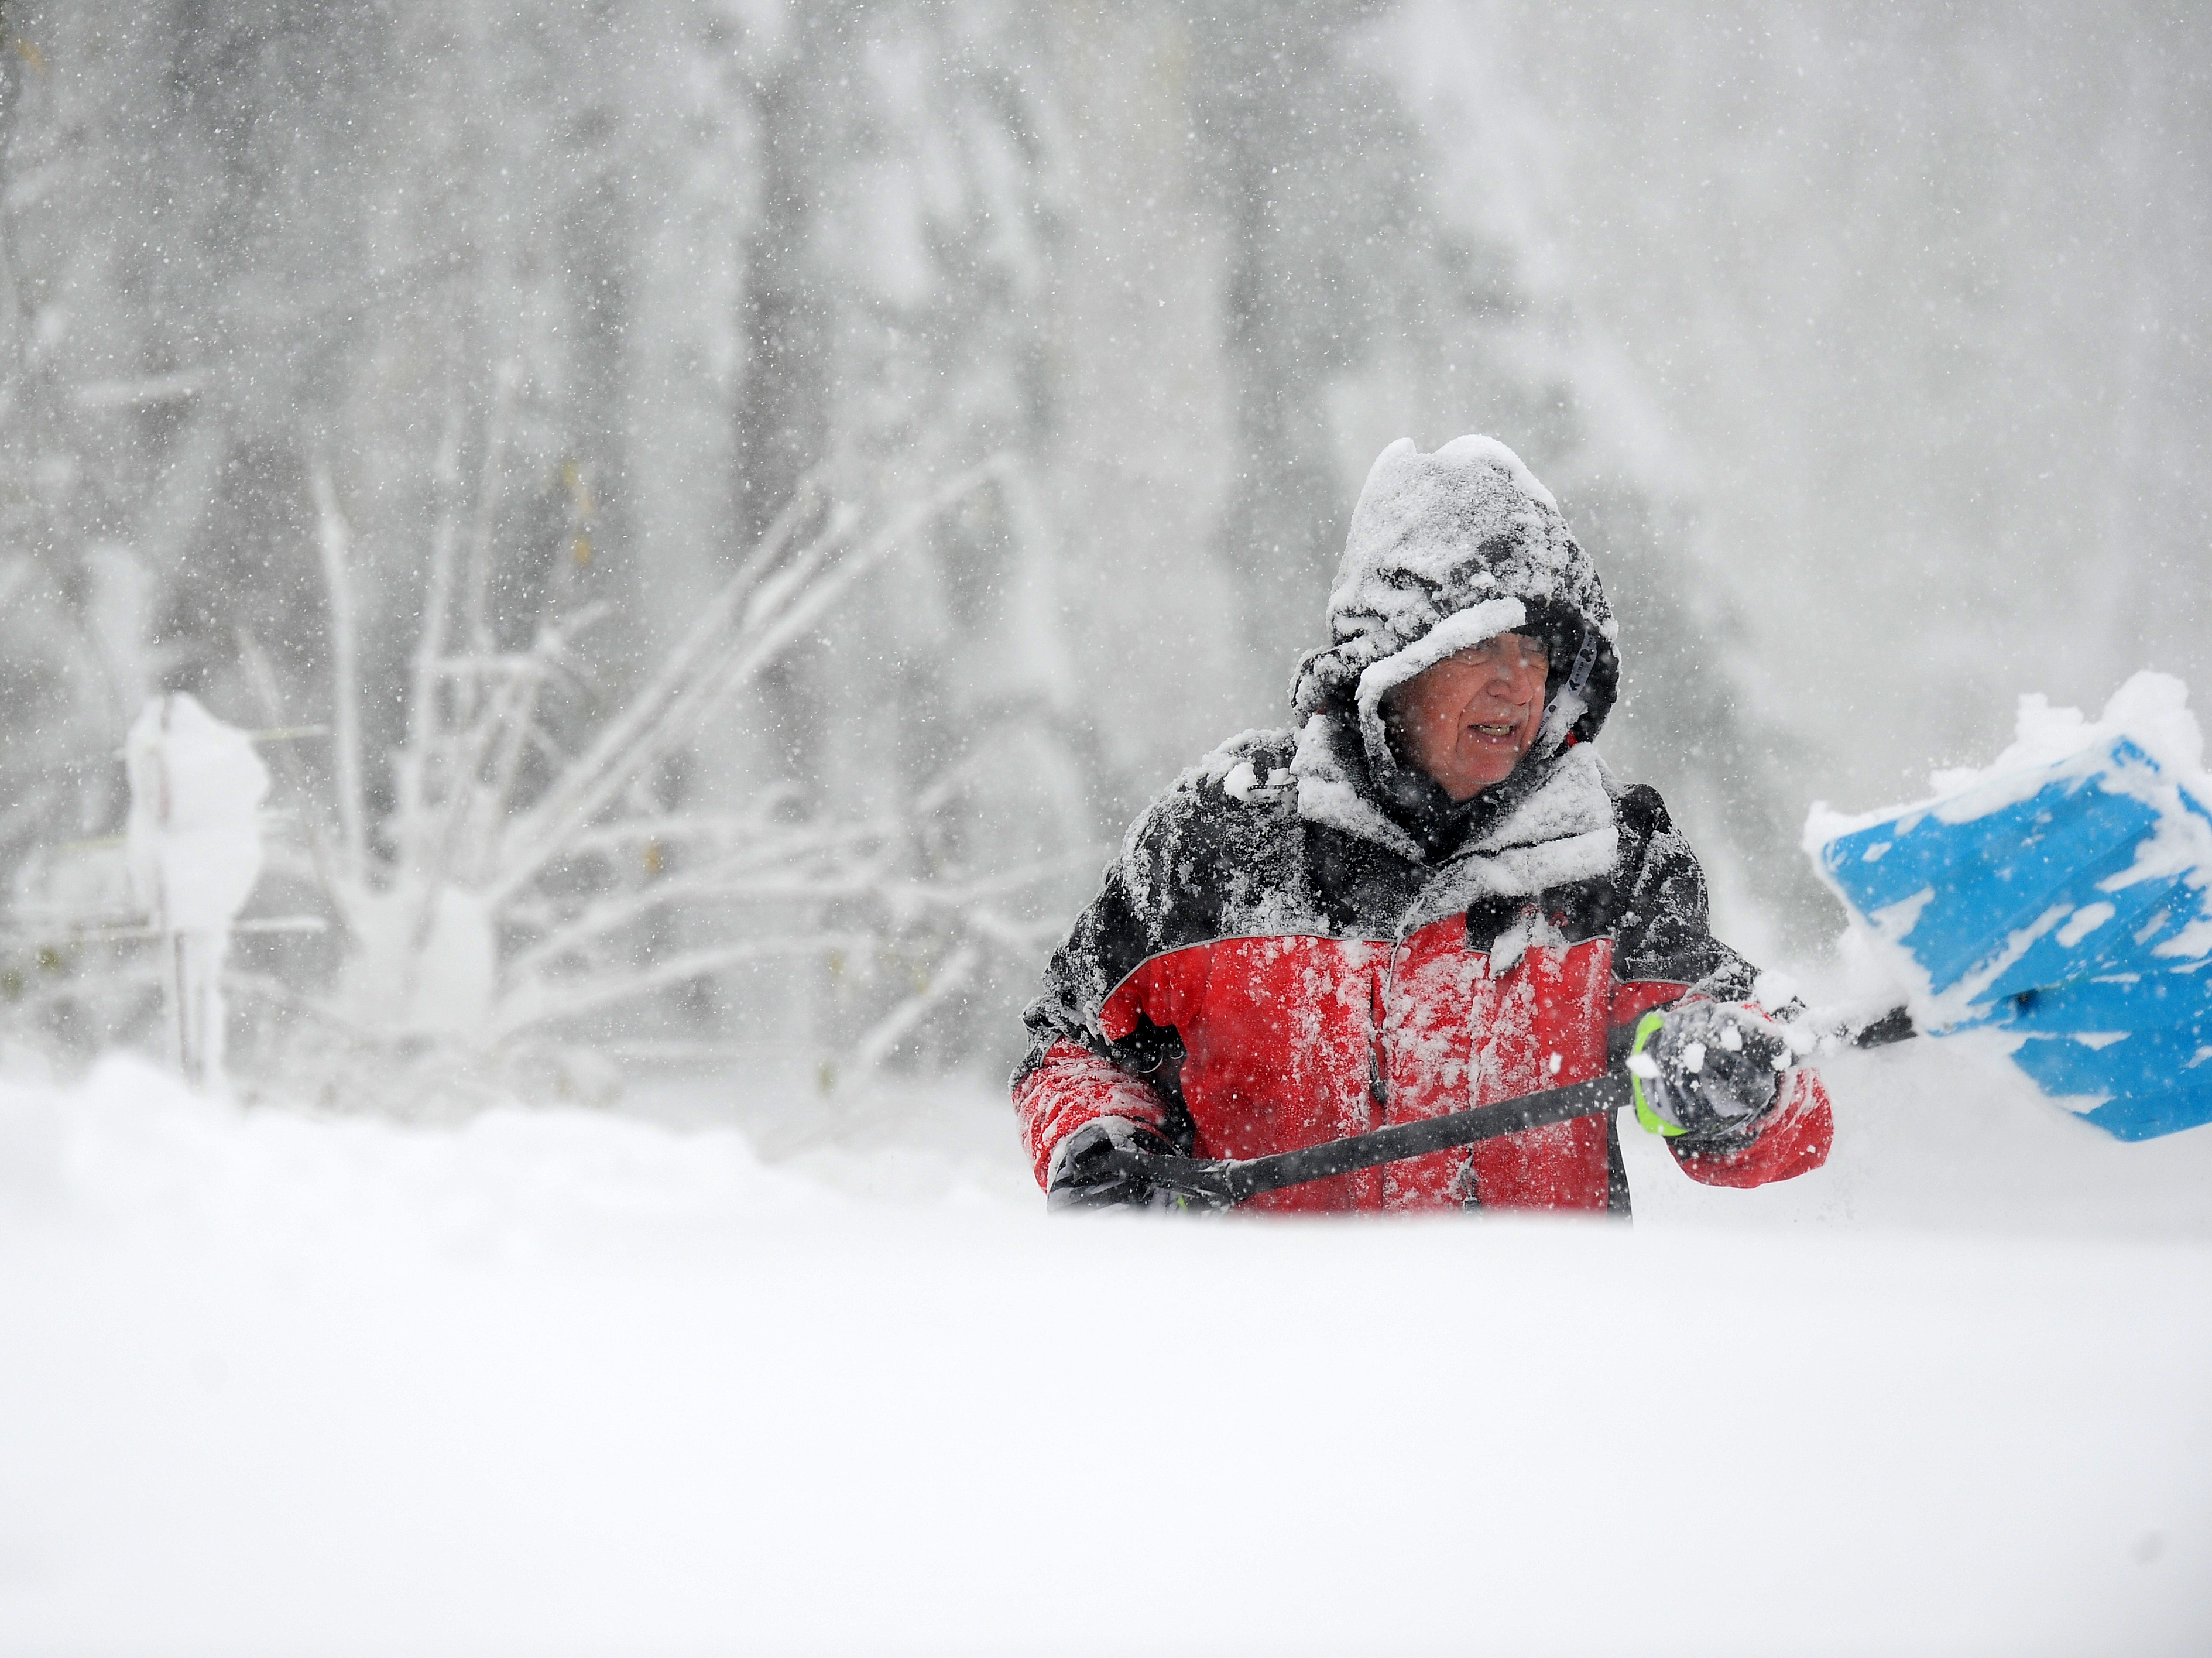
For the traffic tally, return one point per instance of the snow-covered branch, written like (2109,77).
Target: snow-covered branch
(332,540)
(513,888)
(780,603)
(895,1026)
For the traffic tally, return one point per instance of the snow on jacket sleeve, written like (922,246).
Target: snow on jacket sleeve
(1664,950)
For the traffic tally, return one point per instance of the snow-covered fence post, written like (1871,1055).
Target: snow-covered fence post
(194,844)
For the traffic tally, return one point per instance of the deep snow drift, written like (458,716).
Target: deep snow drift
(562,1382)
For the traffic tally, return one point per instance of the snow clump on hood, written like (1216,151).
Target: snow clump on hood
(1446,550)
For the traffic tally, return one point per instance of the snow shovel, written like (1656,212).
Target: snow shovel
(2063,905)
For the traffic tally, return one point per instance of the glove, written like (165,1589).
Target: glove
(1101,1166)
(1703,1068)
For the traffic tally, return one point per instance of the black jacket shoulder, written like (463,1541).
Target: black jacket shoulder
(1662,911)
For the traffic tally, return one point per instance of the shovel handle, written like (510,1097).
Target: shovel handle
(1222,1182)
(1254,1175)
(1219,1183)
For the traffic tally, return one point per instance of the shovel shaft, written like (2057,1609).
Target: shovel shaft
(1219,1183)
(1254,1175)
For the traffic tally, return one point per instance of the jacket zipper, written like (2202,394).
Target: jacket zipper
(1378,1077)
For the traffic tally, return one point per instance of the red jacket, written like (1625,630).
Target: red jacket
(1274,962)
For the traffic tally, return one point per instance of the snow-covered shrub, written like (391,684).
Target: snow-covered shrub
(530,882)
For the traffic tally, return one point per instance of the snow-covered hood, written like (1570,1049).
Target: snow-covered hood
(1445,551)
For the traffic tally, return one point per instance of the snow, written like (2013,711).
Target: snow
(1326,765)
(556,1382)
(194,835)
(422,967)
(2084,921)
(2150,709)
(193,845)
(1562,831)
(282,1383)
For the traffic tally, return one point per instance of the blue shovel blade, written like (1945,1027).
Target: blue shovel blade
(2173,998)
(2019,896)
(2020,903)
(2149,1083)
(2140,1043)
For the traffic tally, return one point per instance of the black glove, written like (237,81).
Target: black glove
(1102,1166)
(1704,1068)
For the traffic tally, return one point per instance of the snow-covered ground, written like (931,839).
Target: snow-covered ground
(557,1381)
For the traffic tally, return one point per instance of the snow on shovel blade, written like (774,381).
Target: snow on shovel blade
(2064,903)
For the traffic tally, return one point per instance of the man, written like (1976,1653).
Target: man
(1432,896)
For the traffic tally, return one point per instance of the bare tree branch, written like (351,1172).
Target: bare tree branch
(333,539)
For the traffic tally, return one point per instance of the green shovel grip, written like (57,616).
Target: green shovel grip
(1647,1028)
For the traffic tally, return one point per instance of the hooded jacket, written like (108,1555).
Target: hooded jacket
(1303,938)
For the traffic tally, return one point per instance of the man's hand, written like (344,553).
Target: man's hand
(1703,1068)
(1101,1166)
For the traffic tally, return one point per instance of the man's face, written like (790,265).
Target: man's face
(1467,720)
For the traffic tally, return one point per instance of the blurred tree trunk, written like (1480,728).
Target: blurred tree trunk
(1272,110)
